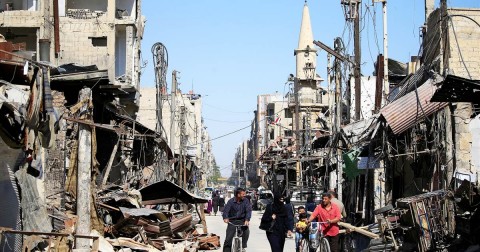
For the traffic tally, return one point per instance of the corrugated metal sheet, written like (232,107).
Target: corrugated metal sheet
(403,113)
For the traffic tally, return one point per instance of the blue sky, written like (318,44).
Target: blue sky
(231,51)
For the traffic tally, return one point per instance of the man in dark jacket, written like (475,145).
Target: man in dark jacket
(215,203)
(239,212)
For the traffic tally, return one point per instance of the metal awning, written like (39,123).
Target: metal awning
(406,111)
(457,89)
(166,192)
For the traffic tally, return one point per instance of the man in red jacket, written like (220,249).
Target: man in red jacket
(329,213)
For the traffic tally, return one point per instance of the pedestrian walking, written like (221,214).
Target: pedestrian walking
(221,203)
(239,212)
(339,203)
(215,203)
(209,207)
(275,223)
(310,205)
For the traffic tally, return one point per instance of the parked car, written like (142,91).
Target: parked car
(299,198)
(265,197)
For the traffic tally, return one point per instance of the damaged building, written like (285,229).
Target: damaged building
(407,170)
(73,154)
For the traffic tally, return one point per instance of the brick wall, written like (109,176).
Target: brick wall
(21,18)
(463,59)
(76,43)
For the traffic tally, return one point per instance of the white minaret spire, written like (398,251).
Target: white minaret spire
(306,52)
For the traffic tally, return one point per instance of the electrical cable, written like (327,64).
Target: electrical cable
(222,136)
(458,46)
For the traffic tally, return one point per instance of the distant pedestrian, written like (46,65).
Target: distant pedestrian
(209,207)
(215,203)
(221,203)
(339,203)
(310,205)
(275,223)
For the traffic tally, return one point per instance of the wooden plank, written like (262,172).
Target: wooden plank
(110,162)
(359,230)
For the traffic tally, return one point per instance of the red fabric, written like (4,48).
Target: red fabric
(322,215)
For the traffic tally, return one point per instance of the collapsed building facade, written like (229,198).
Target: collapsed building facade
(73,154)
(408,163)
(190,135)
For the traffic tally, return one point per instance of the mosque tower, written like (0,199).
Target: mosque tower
(306,57)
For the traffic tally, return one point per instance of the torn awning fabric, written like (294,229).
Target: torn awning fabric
(165,192)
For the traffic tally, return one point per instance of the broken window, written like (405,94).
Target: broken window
(99,41)
(288,113)
(19,39)
(125,9)
(85,9)
(11,5)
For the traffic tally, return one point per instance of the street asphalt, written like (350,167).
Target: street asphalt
(258,240)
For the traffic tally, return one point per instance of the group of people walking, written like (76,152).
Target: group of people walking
(278,219)
(217,203)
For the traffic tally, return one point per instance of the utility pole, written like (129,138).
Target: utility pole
(352,13)
(358,63)
(338,88)
(84,171)
(386,84)
(330,91)
(338,115)
(182,146)
(172,113)
(296,87)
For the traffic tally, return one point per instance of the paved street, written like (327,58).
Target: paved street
(258,240)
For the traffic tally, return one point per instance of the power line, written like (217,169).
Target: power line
(224,135)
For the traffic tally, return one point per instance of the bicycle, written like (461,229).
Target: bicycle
(318,242)
(237,238)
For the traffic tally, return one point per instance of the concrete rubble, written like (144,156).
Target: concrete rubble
(76,163)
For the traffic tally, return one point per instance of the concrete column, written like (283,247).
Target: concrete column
(84,178)
(130,54)
(449,146)
(111,37)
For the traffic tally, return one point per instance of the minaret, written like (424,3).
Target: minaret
(306,56)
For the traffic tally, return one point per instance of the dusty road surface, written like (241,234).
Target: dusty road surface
(258,240)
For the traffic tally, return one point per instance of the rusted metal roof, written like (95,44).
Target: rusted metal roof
(406,111)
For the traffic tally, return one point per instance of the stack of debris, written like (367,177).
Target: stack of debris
(128,224)
(51,157)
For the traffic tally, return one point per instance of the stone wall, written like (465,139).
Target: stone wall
(464,47)
(464,61)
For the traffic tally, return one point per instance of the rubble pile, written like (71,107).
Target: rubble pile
(75,179)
